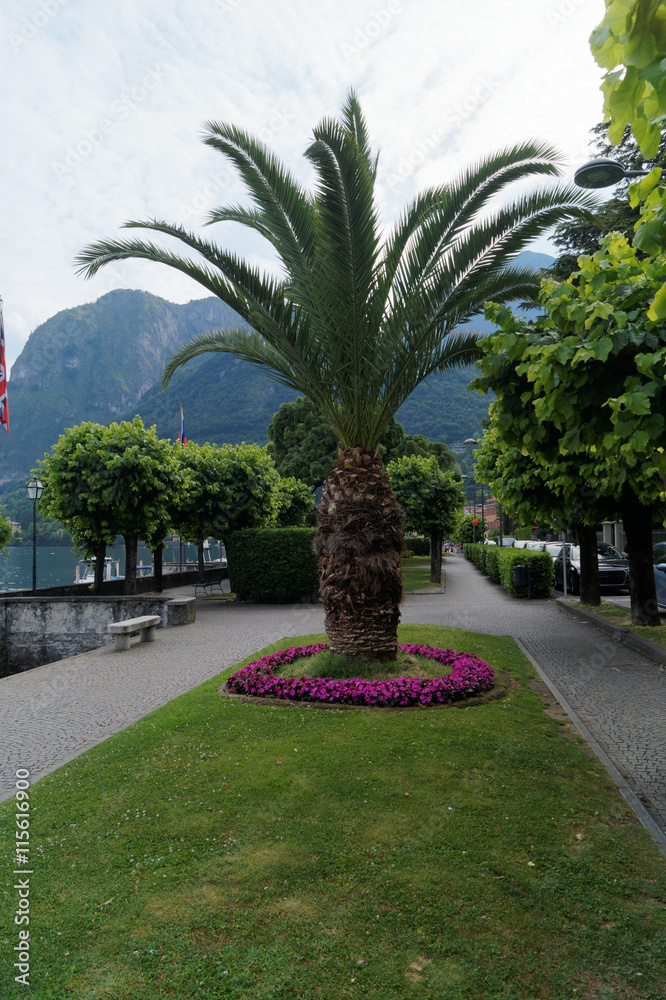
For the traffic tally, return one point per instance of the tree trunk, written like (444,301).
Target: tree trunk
(637,519)
(201,559)
(359,544)
(436,556)
(158,554)
(100,556)
(590,592)
(131,542)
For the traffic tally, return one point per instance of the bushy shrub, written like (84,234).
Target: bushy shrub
(419,546)
(498,564)
(273,565)
(492,569)
(476,553)
(541,571)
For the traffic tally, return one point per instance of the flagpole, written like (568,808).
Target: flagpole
(180,537)
(4,408)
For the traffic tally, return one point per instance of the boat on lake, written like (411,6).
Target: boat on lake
(188,565)
(85,570)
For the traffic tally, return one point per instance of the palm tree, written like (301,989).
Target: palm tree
(355,322)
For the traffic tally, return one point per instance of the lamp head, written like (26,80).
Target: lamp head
(603,173)
(35,489)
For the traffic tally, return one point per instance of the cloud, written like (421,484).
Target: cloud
(104,103)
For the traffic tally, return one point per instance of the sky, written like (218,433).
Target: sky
(102,106)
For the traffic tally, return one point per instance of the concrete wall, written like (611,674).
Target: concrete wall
(113,588)
(37,630)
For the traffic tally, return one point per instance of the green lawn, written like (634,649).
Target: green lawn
(416,574)
(220,849)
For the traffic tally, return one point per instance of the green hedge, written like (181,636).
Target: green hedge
(492,568)
(273,565)
(498,563)
(419,546)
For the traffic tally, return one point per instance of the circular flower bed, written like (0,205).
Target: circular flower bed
(469,676)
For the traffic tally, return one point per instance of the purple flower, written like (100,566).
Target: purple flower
(469,675)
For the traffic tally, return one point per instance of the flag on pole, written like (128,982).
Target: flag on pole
(181,433)
(4,411)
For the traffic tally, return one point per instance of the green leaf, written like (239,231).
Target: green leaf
(657,310)
(639,191)
(640,441)
(636,402)
(625,95)
(650,235)
(648,137)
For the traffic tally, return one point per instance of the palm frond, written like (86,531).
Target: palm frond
(286,209)
(353,323)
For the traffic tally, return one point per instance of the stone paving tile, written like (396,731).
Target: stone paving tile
(51,714)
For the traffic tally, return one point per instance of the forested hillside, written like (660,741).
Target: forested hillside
(102,361)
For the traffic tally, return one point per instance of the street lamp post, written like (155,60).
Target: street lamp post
(35,490)
(474,504)
(468,443)
(603,173)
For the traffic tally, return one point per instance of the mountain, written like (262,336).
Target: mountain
(94,362)
(102,362)
(224,400)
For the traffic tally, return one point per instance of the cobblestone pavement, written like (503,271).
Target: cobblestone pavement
(53,713)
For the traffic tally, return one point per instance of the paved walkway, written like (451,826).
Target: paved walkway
(51,714)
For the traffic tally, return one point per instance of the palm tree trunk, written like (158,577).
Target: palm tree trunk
(359,543)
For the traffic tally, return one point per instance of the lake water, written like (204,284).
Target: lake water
(56,566)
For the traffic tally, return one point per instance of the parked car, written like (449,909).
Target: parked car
(613,568)
(659,560)
(536,546)
(508,541)
(553,548)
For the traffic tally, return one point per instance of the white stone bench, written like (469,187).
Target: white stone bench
(121,631)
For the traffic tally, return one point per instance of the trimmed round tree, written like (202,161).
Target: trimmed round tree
(355,320)
(432,501)
(231,487)
(100,482)
(594,406)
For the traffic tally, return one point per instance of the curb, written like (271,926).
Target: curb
(625,789)
(617,632)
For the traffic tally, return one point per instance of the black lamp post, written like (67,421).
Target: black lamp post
(35,490)
(474,502)
(603,173)
(468,443)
